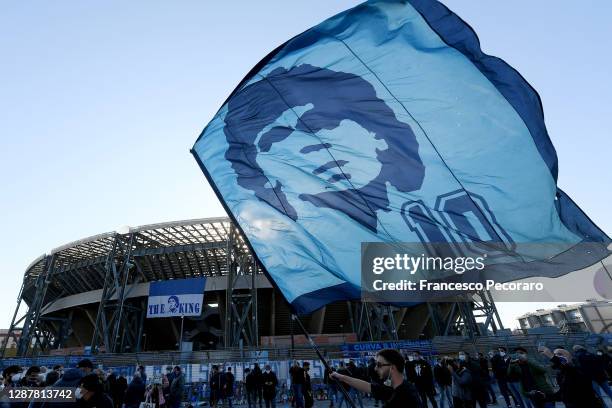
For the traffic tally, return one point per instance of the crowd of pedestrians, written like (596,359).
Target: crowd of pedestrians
(573,379)
(95,387)
(517,378)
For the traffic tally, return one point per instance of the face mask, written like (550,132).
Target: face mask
(410,358)
(462,357)
(267,371)
(78,394)
(522,356)
(599,353)
(387,382)
(16,377)
(501,353)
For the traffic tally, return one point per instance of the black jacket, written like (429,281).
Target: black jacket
(118,389)
(422,375)
(227,384)
(135,393)
(214,384)
(297,375)
(591,365)
(499,365)
(442,375)
(269,383)
(257,375)
(250,382)
(575,388)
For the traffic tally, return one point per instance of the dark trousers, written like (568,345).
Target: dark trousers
(480,395)
(491,394)
(259,395)
(270,403)
(251,398)
(428,393)
(458,403)
(506,393)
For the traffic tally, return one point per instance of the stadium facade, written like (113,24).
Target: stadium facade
(91,294)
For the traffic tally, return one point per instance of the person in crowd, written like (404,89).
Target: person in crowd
(269,383)
(444,379)
(603,354)
(575,387)
(499,366)
(297,384)
(176,387)
(143,374)
(90,393)
(363,371)
(258,384)
(594,367)
(59,369)
(10,379)
(332,386)
(354,393)
(102,377)
(486,377)
(52,377)
(479,379)
(214,383)
(395,391)
(308,397)
(344,371)
(32,378)
(169,374)
(135,393)
(462,388)
(227,387)
(251,387)
(118,389)
(421,376)
(111,380)
(43,375)
(71,378)
(155,395)
(533,379)
(86,366)
(10,376)
(166,381)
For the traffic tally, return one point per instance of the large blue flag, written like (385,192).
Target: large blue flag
(386,123)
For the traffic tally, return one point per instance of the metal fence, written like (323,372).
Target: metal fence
(438,346)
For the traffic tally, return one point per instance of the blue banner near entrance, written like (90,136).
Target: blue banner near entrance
(420,345)
(180,297)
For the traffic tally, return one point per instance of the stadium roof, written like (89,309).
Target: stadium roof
(171,250)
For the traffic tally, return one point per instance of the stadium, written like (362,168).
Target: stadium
(91,295)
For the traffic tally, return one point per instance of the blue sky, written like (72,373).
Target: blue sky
(100,103)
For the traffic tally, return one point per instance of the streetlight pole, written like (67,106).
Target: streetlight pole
(181,337)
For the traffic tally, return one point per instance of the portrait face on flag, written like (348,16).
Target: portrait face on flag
(386,123)
(301,139)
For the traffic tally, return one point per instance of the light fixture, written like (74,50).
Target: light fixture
(213,304)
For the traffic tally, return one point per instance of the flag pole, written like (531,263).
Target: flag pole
(181,336)
(314,346)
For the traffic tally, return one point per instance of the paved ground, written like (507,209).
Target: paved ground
(367,403)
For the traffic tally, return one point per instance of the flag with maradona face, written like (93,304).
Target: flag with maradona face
(387,123)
